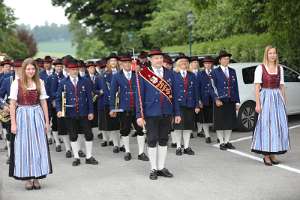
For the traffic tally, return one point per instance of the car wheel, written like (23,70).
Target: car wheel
(247,116)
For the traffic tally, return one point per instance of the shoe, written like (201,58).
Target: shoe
(116,149)
(1,138)
(104,144)
(81,154)
(36,185)
(189,151)
(208,140)
(58,148)
(165,173)
(143,157)
(173,145)
(201,134)
(267,163)
(274,162)
(229,146)
(100,136)
(127,156)
(29,185)
(91,161)
(50,141)
(191,136)
(122,148)
(218,141)
(5,148)
(178,152)
(223,147)
(68,154)
(153,174)
(111,143)
(76,162)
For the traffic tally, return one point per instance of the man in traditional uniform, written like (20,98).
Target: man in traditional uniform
(79,111)
(156,108)
(124,83)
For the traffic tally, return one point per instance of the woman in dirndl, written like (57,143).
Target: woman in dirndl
(271,134)
(30,123)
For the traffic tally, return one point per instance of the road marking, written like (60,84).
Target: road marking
(285,167)
(250,137)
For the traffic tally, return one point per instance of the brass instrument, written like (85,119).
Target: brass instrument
(95,96)
(4,116)
(63,102)
(117,103)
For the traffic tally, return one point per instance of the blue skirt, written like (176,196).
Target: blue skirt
(31,159)
(271,134)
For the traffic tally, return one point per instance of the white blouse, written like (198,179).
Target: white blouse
(14,90)
(259,71)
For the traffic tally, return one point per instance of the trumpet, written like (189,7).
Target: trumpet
(63,102)
(95,96)
(4,115)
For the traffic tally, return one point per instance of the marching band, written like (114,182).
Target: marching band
(151,96)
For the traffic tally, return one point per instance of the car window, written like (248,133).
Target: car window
(290,76)
(248,74)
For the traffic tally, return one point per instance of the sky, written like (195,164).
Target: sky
(36,12)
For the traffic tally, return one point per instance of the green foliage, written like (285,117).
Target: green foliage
(55,48)
(244,48)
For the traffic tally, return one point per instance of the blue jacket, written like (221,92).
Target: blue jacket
(4,76)
(227,89)
(53,82)
(120,82)
(187,98)
(44,76)
(150,96)
(83,93)
(5,86)
(206,91)
(102,91)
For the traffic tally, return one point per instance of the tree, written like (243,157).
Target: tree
(109,19)
(27,38)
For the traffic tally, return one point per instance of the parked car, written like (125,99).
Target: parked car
(245,76)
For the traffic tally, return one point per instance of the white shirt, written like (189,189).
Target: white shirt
(258,74)
(127,74)
(208,71)
(195,71)
(14,90)
(74,80)
(183,73)
(49,72)
(225,70)
(159,72)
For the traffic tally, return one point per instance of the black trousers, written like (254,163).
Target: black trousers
(158,129)
(53,118)
(79,125)
(127,118)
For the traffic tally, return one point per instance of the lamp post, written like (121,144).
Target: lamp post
(190,23)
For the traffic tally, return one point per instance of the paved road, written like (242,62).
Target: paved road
(210,175)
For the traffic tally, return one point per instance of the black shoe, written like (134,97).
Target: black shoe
(191,136)
(68,154)
(223,147)
(58,148)
(165,173)
(153,174)
(81,154)
(104,144)
(100,136)
(229,146)
(208,140)
(179,152)
(5,148)
(8,161)
(1,138)
(143,157)
(201,134)
(127,156)
(173,145)
(116,149)
(188,151)
(61,141)
(111,143)
(267,163)
(91,161)
(134,135)
(50,141)
(218,141)
(76,162)
(122,148)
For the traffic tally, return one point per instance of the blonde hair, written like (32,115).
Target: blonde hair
(109,66)
(265,59)
(190,66)
(35,78)
(177,68)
